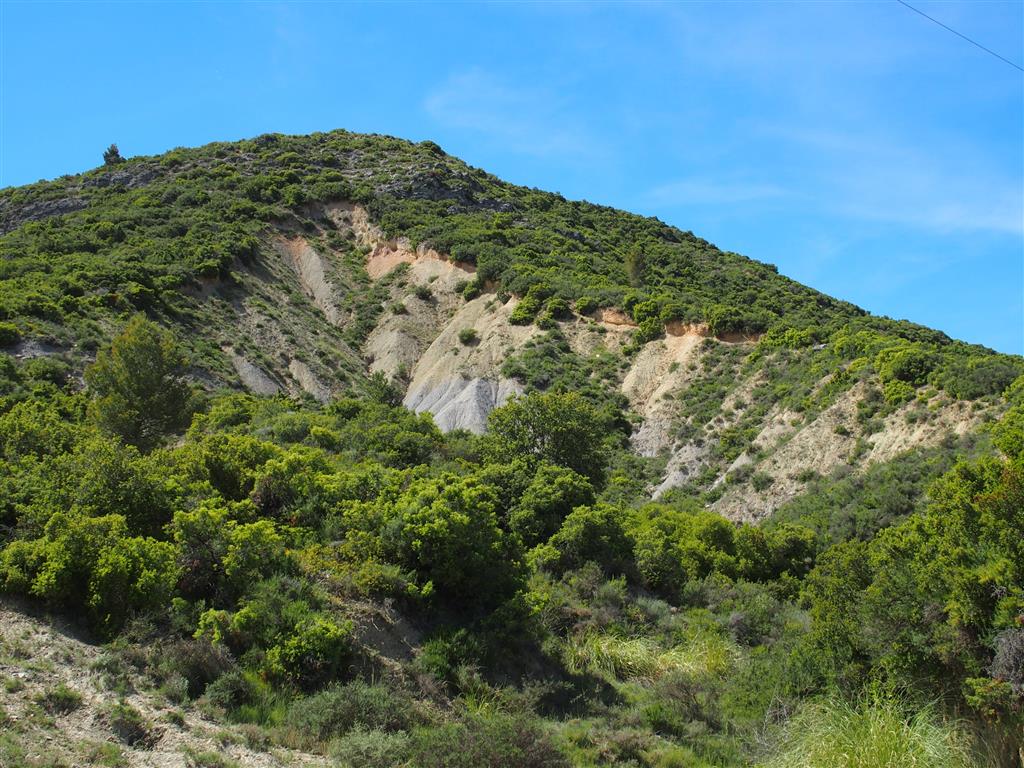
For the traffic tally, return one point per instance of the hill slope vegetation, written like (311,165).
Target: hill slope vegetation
(378,460)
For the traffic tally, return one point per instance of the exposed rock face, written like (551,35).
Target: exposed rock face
(458,403)
(13,216)
(308,381)
(659,368)
(312,272)
(253,377)
(450,353)
(461,383)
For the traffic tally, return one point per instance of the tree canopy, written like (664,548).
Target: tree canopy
(139,393)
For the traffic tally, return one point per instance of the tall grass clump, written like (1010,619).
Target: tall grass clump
(641,658)
(872,733)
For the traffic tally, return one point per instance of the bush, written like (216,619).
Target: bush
(551,495)
(230,691)
(485,741)
(449,536)
(317,652)
(370,748)
(468,336)
(562,429)
(200,662)
(907,364)
(90,565)
(334,712)
(897,392)
(445,656)
(139,390)
(589,534)
(9,334)
(525,311)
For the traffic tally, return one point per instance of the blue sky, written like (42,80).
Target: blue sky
(864,150)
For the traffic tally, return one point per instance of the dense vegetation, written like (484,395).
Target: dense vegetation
(346,579)
(559,622)
(81,250)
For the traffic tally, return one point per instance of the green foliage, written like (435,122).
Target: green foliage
(91,563)
(909,364)
(875,733)
(317,651)
(9,334)
(338,710)
(873,605)
(60,700)
(112,155)
(588,534)
(139,392)
(558,428)
(447,532)
(549,498)
(485,740)
(263,545)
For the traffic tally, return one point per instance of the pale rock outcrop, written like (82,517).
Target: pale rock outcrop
(311,268)
(659,369)
(458,403)
(461,383)
(254,378)
(306,379)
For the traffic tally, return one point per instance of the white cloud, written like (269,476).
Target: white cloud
(531,120)
(947,186)
(699,191)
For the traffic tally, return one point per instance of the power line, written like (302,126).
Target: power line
(965,37)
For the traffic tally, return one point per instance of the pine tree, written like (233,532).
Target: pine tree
(112,155)
(137,385)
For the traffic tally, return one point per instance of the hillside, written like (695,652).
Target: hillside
(367,457)
(281,263)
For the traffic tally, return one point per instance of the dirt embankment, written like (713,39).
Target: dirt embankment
(41,656)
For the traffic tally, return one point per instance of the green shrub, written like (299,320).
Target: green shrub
(199,661)
(494,740)
(446,655)
(317,652)
(906,363)
(549,498)
(334,712)
(448,534)
(525,310)
(562,429)
(897,392)
(589,534)
(128,724)
(138,385)
(60,700)
(370,748)
(9,334)
(230,691)
(468,336)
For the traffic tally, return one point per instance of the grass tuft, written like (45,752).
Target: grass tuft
(641,658)
(871,733)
